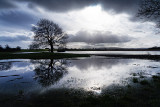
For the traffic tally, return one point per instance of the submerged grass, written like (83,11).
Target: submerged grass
(41,55)
(144,82)
(135,80)
(145,96)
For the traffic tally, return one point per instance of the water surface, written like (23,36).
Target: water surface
(117,52)
(94,74)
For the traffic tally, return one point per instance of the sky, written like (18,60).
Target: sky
(89,23)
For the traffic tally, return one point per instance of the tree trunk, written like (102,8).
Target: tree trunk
(51,48)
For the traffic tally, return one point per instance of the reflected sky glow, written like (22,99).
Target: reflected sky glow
(93,78)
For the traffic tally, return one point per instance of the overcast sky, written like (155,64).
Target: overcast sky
(89,23)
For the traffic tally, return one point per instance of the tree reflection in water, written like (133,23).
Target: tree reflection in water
(49,71)
(5,65)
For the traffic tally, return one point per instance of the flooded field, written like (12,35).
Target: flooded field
(25,81)
(116,52)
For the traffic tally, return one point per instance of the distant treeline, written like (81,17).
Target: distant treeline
(7,48)
(154,48)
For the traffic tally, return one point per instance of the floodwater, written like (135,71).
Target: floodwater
(104,52)
(92,74)
(117,52)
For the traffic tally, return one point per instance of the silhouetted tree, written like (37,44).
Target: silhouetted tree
(34,46)
(150,10)
(49,71)
(7,48)
(18,48)
(47,33)
(1,48)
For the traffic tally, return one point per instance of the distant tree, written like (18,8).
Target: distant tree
(1,48)
(34,45)
(47,33)
(7,47)
(18,48)
(150,10)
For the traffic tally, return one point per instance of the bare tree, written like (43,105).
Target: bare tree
(47,33)
(150,10)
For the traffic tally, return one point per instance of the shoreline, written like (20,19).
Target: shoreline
(47,55)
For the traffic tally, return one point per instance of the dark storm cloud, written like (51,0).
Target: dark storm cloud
(17,38)
(60,5)
(17,19)
(118,6)
(5,4)
(129,6)
(99,37)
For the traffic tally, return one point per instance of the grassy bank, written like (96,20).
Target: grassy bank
(33,50)
(48,55)
(42,55)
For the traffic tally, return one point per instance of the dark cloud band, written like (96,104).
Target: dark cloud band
(5,4)
(17,38)
(118,6)
(17,19)
(99,37)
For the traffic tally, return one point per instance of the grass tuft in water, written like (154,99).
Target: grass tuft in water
(135,80)
(144,82)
